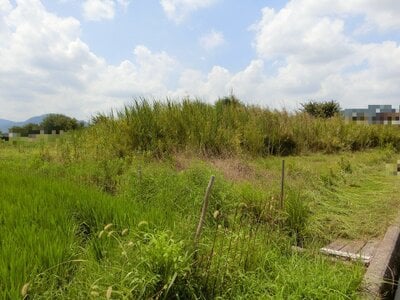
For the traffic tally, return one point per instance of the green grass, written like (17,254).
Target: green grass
(44,223)
(145,169)
(225,128)
(348,194)
(52,214)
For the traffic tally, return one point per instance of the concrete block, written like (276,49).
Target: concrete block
(380,280)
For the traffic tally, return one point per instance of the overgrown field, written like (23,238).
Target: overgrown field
(110,212)
(228,128)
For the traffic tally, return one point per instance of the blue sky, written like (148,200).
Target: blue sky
(144,22)
(80,57)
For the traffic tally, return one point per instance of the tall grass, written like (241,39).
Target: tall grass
(225,128)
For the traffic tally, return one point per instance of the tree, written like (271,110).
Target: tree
(326,109)
(25,130)
(231,100)
(60,122)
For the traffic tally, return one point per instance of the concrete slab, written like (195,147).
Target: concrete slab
(380,279)
(350,250)
(354,246)
(337,244)
(369,248)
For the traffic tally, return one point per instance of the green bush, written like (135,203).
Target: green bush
(326,109)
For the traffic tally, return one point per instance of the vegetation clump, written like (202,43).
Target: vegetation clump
(51,122)
(326,109)
(226,128)
(59,122)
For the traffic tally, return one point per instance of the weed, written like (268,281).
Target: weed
(297,217)
(345,165)
(224,129)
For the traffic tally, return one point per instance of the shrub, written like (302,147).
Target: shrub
(327,109)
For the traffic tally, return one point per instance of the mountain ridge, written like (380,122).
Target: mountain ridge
(6,124)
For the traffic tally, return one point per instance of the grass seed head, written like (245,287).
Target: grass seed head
(216,214)
(143,224)
(109,292)
(110,233)
(124,232)
(101,234)
(108,226)
(25,289)
(94,294)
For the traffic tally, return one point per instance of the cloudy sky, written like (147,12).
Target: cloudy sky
(79,57)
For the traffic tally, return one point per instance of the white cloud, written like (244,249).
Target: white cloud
(46,67)
(96,10)
(207,87)
(379,14)
(5,6)
(303,52)
(294,33)
(178,10)
(148,74)
(212,40)
(318,59)
(309,55)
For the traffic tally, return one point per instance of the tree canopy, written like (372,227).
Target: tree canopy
(231,100)
(25,130)
(325,109)
(50,122)
(59,122)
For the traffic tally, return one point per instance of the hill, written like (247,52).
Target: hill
(6,124)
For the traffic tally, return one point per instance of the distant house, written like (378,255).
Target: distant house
(374,114)
(34,134)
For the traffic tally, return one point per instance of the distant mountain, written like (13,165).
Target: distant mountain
(6,124)
(35,120)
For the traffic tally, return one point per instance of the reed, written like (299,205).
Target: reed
(225,128)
